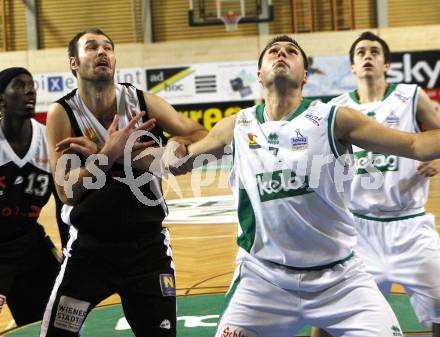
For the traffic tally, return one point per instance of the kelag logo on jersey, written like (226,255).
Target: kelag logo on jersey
(382,162)
(281,184)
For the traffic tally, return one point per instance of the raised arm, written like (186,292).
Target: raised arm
(351,126)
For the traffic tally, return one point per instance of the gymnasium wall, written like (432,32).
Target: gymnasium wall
(225,49)
(57,21)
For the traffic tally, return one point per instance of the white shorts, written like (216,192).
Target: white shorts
(350,305)
(406,252)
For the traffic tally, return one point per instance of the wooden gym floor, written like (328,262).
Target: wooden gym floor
(204,255)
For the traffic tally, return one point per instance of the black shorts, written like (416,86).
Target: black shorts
(141,271)
(28,268)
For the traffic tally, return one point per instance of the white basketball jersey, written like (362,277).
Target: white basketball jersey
(25,184)
(84,122)
(292,212)
(403,192)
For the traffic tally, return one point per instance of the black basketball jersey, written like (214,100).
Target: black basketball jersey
(25,184)
(113,210)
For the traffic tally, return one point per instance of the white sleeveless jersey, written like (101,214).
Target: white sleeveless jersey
(403,192)
(25,184)
(83,121)
(291,212)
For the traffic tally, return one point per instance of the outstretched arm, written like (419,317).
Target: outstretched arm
(184,129)
(351,126)
(214,143)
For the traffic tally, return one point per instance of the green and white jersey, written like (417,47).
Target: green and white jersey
(292,211)
(403,192)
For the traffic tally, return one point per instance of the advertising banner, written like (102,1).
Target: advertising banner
(418,67)
(51,87)
(208,82)
(208,114)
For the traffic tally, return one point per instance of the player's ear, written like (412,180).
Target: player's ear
(259,76)
(352,69)
(306,76)
(74,63)
(387,66)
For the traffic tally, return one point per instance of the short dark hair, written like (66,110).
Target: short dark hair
(283,38)
(72,49)
(371,37)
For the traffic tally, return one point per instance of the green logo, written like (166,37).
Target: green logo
(281,184)
(382,162)
(273,138)
(371,114)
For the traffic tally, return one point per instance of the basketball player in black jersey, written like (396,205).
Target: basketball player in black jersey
(28,260)
(117,242)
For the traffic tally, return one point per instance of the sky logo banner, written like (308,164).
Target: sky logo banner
(417,67)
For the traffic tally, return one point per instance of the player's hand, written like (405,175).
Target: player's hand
(429,169)
(182,150)
(2,301)
(82,145)
(117,138)
(175,159)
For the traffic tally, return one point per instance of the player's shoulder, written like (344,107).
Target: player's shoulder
(128,86)
(404,92)
(40,133)
(58,108)
(342,99)
(251,111)
(67,97)
(404,87)
(38,125)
